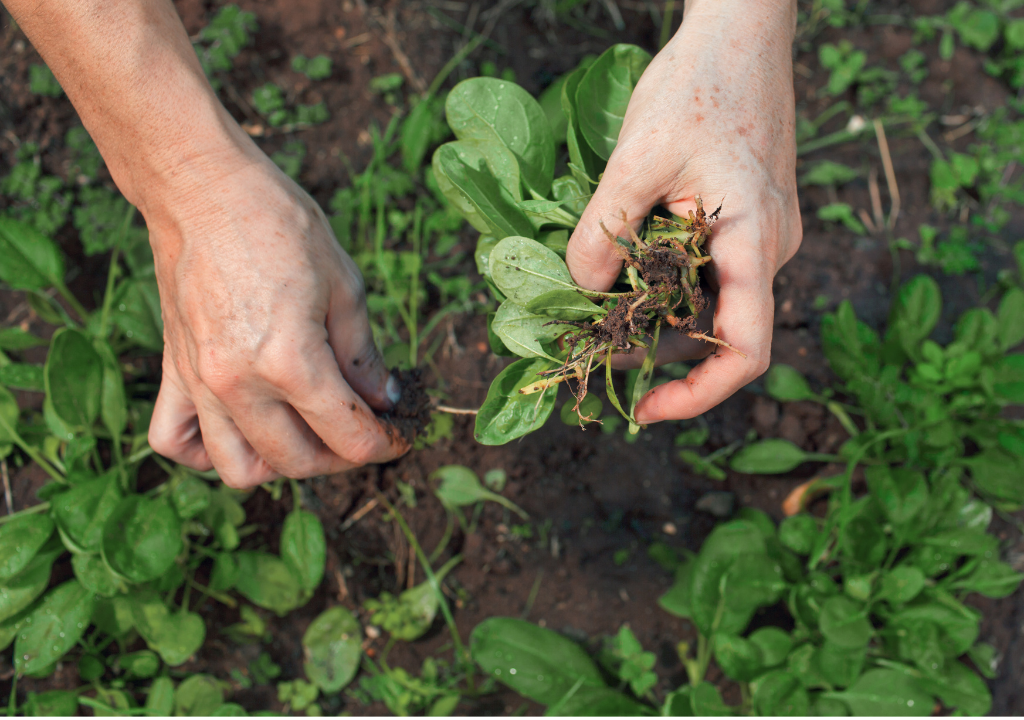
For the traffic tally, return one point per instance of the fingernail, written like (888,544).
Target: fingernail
(393,389)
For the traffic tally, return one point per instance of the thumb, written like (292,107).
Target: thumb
(361,364)
(622,200)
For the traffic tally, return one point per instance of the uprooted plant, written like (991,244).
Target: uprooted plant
(500,175)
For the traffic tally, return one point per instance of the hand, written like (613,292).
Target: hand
(269,365)
(713,115)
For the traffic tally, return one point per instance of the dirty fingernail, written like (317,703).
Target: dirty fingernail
(393,389)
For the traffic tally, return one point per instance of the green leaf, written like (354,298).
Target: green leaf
(113,401)
(95,576)
(53,628)
(738,657)
(705,700)
(420,130)
(732,577)
(1010,319)
(52,703)
(960,688)
(915,312)
(964,541)
(19,592)
(584,163)
(845,622)
(780,692)
(523,332)
(477,178)
(902,493)
(677,599)
(958,623)
(506,413)
(332,649)
(537,663)
(979,30)
(886,692)
(603,95)
(268,582)
(827,172)
(304,548)
(500,111)
(564,305)
(141,538)
(784,382)
(28,260)
(81,511)
(997,473)
(197,696)
(902,584)
(460,487)
(14,338)
(20,540)
(524,269)
(840,666)
(799,533)
(598,702)
(160,698)
(769,457)
(140,664)
(991,578)
(74,378)
(175,636)
(23,376)
(1009,378)
(136,311)
(190,496)
(774,644)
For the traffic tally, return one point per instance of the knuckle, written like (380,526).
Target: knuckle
(218,374)
(361,451)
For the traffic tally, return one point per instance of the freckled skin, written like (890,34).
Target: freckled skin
(265,327)
(739,149)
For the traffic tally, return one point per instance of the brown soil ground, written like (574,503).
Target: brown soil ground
(596,494)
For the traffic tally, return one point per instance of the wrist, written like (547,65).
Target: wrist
(753,18)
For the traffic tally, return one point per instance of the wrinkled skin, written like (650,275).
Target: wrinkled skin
(713,115)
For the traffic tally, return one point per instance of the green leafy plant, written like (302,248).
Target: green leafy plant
(219,42)
(42,82)
(317,68)
(499,174)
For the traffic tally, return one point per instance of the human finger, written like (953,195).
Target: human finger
(174,430)
(356,353)
(622,200)
(279,435)
(237,462)
(338,416)
(744,320)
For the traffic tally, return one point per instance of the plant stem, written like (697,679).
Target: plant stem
(460,650)
(35,509)
(414,285)
(30,451)
(108,295)
(79,309)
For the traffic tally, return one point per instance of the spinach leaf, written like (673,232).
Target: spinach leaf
(268,582)
(535,662)
(506,413)
(886,692)
(564,305)
(20,540)
(523,332)
(19,592)
(523,269)
(141,538)
(332,648)
(28,259)
(603,95)
(81,511)
(74,378)
(53,628)
(304,548)
(481,180)
(500,111)
(584,163)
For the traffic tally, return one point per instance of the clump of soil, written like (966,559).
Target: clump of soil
(411,413)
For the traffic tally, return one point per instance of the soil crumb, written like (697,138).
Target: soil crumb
(411,414)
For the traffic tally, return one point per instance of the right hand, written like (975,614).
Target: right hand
(269,365)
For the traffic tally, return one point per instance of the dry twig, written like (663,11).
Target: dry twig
(359,515)
(890,174)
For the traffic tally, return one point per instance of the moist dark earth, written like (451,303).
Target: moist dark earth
(595,493)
